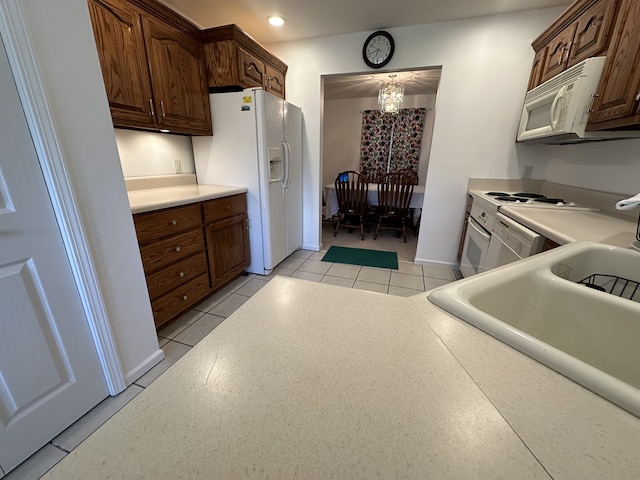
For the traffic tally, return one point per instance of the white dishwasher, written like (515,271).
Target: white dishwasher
(511,241)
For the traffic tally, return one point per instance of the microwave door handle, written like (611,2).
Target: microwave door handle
(554,105)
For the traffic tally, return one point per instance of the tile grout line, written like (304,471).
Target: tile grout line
(61,448)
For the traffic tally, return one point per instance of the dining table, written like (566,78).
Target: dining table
(331,198)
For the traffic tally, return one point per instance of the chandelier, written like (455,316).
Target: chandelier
(390,96)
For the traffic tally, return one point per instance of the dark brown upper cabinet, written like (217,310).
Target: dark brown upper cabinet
(154,73)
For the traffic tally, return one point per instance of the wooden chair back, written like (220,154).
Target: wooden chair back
(352,189)
(374,174)
(412,174)
(394,194)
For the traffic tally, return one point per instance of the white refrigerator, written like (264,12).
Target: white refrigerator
(257,143)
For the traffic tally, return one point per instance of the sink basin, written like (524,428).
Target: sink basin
(537,306)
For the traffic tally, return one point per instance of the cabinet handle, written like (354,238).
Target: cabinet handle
(173,222)
(184,297)
(162,108)
(151,105)
(568,51)
(181,274)
(177,249)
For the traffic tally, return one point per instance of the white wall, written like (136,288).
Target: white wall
(342,127)
(485,69)
(151,153)
(62,41)
(611,166)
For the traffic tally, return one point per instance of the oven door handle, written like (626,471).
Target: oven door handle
(479,229)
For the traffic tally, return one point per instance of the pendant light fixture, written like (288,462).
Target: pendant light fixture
(391,95)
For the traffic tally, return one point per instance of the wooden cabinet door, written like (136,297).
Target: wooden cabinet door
(535,78)
(558,53)
(592,31)
(251,69)
(620,84)
(119,40)
(274,81)
(228,248)
(180,90)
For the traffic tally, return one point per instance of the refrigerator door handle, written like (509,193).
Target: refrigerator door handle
(286,149)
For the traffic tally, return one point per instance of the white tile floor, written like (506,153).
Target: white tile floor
(178,338)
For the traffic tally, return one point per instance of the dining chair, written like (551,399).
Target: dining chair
(394,194)
(412,174)
(412,211)
(352,189)
(373,174)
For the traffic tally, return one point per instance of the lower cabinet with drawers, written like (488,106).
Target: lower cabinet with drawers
(189,252)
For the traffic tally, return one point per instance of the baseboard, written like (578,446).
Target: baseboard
(315,248)
(146,365)
(424,261)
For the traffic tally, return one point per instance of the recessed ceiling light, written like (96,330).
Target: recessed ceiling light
(275,20)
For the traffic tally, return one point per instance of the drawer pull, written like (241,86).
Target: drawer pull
(181,274)
(177,249)
(184,297)
(173,222)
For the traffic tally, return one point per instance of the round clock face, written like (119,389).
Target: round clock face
(378,49)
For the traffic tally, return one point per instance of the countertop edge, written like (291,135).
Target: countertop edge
(142,201)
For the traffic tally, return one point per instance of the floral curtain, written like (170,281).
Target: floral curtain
(391,141)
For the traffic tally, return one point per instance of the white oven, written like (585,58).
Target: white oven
(476,246)
(511,241)
(476,242)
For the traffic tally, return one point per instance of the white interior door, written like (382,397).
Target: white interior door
(50,374)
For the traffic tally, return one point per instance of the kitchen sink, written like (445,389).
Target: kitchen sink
(574,309)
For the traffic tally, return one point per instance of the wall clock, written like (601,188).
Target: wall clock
(378,49)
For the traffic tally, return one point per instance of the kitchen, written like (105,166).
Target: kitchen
(479,111)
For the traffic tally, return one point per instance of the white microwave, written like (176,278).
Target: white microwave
(556,112)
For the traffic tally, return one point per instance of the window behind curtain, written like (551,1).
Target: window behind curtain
(401,132)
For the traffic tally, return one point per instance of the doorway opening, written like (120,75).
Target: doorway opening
(346,99)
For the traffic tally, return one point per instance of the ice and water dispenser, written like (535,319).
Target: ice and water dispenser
(276,169)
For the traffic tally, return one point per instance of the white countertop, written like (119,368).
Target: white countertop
(157,198)
(308,380)
(564,226)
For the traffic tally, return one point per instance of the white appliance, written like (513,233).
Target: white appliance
(257,143)
(510,242)
(556,112)
(476,241)
(481,251)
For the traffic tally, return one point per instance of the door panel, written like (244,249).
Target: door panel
(557,54)
(178,77)
(293,136)
(592,30)
(270,117)
(621,76)
(118,33)
(50,374)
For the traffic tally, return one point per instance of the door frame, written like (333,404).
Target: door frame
(63,200)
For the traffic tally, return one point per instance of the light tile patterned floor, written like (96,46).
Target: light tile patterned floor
(179,337)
